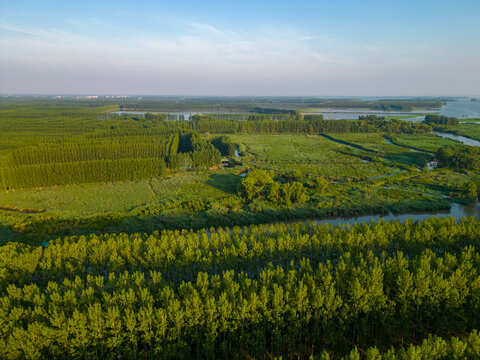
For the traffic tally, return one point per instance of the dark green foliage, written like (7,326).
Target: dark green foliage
(320,184)
(80,172)
(440,119)
(381,104)
(287,289)
(224,145)
(93,149)
(177,161)
(205,155)
(195,205)
(275,124)
(459,157)
(259,184)
(472,190)
(254,184)
(314,125)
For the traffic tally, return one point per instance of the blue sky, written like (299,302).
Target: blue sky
(323,48)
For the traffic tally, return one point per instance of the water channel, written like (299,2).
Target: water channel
(461,108)
(457,211)
(462,139)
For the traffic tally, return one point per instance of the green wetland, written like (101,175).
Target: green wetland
(251,230)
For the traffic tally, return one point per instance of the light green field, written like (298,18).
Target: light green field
(310,154)
(381,147)
(69,201)
(426,142)
(469,130)
(469,120)
(371,141)
(290,148)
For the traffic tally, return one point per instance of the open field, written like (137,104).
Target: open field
(311,154)
(158,203)
(476,120)
(362,172)
(468,130)
(426,142)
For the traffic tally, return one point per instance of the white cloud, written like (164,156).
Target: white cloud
(207,59)
(205,27)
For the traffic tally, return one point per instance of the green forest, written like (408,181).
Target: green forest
(159,234)
(291,290)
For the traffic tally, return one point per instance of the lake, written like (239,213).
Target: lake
(186,114)
(462,108)
(353,114)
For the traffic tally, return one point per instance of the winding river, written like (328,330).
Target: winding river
(457,211)
(462,139)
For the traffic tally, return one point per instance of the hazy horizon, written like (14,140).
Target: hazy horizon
(265,48)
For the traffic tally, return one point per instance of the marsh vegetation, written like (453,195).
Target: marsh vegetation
(123,236)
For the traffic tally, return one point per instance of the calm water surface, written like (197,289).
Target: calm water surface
(457,211)
(462,139)
(186,114)
(462,108)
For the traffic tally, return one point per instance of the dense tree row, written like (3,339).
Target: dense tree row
(204,156)
(260,184)
(310,124)
(381,104)
(434,347)
(107,148)
(440,119)
(277,115)
(224,145)
(80,172)
(164,116)
(287,289)
(460,157)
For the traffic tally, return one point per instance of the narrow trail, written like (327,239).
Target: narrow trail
(355,146)
(150,186)
(22,210)
(394,143)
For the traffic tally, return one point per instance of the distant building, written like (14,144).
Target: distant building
(432,164)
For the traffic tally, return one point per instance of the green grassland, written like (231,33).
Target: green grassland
(469,120)
(159,203)
(425,142)
(468,130)
(385,147)
(365,172)
(310,154)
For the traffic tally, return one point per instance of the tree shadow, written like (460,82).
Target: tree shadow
(224,182)
(419,159)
